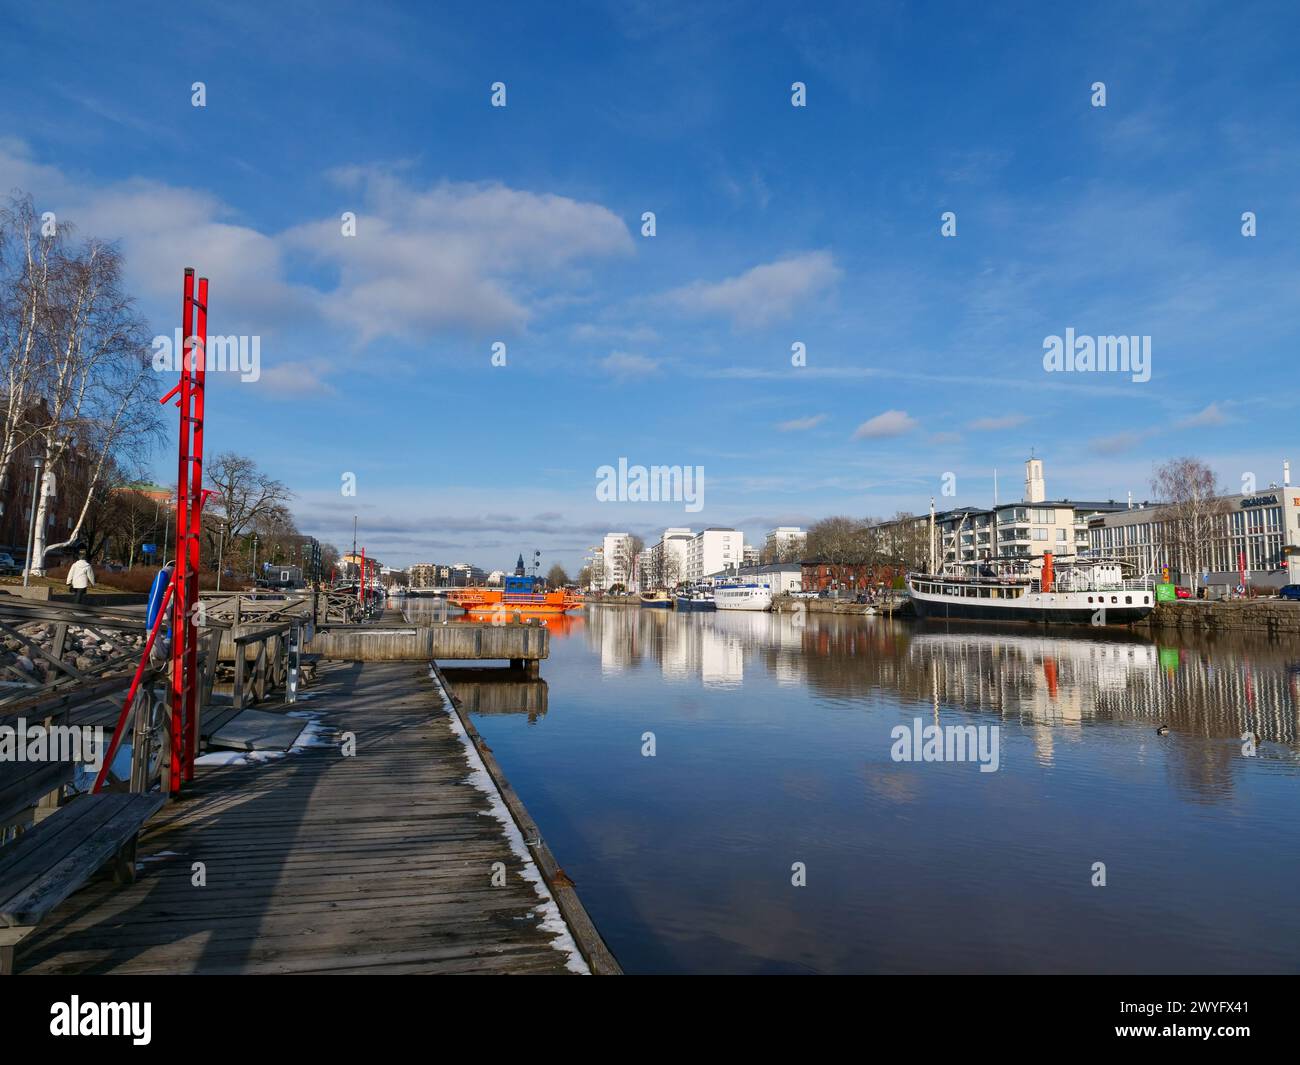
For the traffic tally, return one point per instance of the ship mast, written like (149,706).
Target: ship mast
(932,561)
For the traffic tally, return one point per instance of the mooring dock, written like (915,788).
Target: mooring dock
(385,861)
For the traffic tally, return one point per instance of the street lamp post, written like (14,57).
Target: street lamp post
(221,542)
(31,525)
(254,561)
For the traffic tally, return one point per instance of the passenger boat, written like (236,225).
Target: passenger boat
(518,595)
(658,600)
(695,599)
(742,596)
(1082,592)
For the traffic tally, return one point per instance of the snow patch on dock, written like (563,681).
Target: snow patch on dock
(552,921)
(313,734)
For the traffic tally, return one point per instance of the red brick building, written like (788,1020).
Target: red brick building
(851,577)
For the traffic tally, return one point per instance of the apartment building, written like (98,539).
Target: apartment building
(712,550)
(617,564)
(786,543)
(664,564)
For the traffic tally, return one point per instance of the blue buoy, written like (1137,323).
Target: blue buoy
(160,582)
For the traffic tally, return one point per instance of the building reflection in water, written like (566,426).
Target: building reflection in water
(1046,680)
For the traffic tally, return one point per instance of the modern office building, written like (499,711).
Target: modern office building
(1255,535)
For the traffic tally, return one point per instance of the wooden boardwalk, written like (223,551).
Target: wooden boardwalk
(320,863)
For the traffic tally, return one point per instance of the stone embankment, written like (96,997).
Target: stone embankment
(1274,616)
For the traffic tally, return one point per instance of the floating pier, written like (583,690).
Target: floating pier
(523,646)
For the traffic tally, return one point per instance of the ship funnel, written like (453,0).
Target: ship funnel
(1049,574)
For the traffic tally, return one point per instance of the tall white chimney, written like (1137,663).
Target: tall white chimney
(1286,473)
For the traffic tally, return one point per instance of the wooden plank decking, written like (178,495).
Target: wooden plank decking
(320,863)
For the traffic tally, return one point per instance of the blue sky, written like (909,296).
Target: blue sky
(775,225)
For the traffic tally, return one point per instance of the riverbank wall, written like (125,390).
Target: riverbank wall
(1274,616)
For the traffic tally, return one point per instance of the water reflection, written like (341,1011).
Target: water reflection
(773,740)
(495,690)
(1220,688)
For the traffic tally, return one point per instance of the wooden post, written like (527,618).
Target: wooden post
(237,695)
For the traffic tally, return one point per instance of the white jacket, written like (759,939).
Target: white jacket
(81,575)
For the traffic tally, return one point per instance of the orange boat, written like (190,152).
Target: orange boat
(518,596)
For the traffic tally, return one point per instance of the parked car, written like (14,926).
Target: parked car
(1183,593)
(7,563)
(1289,591)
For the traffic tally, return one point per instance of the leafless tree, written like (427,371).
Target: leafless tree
(1193,500)
(243,499)
(26,261)
(837,541)
(74,359)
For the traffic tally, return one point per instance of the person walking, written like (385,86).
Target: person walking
(80,577)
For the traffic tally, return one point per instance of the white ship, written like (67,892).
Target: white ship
(1083,592)
(742,596)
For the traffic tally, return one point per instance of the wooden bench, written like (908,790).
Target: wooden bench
(28,789)
(50,861)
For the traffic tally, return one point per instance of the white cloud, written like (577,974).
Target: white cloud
(458,256)
(626,334)
(1210,417)
(761,295)
(797,425)
(623,364)
(989,425)
(455,255)
(296,379)
(890,423)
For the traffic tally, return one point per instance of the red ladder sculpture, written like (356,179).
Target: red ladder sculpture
(189,524)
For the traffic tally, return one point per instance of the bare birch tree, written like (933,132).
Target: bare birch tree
(96,380)
(1193,501)
(25,265)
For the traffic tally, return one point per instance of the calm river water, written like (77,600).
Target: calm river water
(773,747)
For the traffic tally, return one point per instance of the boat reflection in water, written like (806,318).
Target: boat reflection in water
(771,737)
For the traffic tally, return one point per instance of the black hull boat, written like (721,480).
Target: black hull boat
(1084,592)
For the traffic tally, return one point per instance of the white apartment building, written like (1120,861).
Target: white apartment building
(712,550)
(664,564)
(1026,529)
(789,541)
(617,563)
